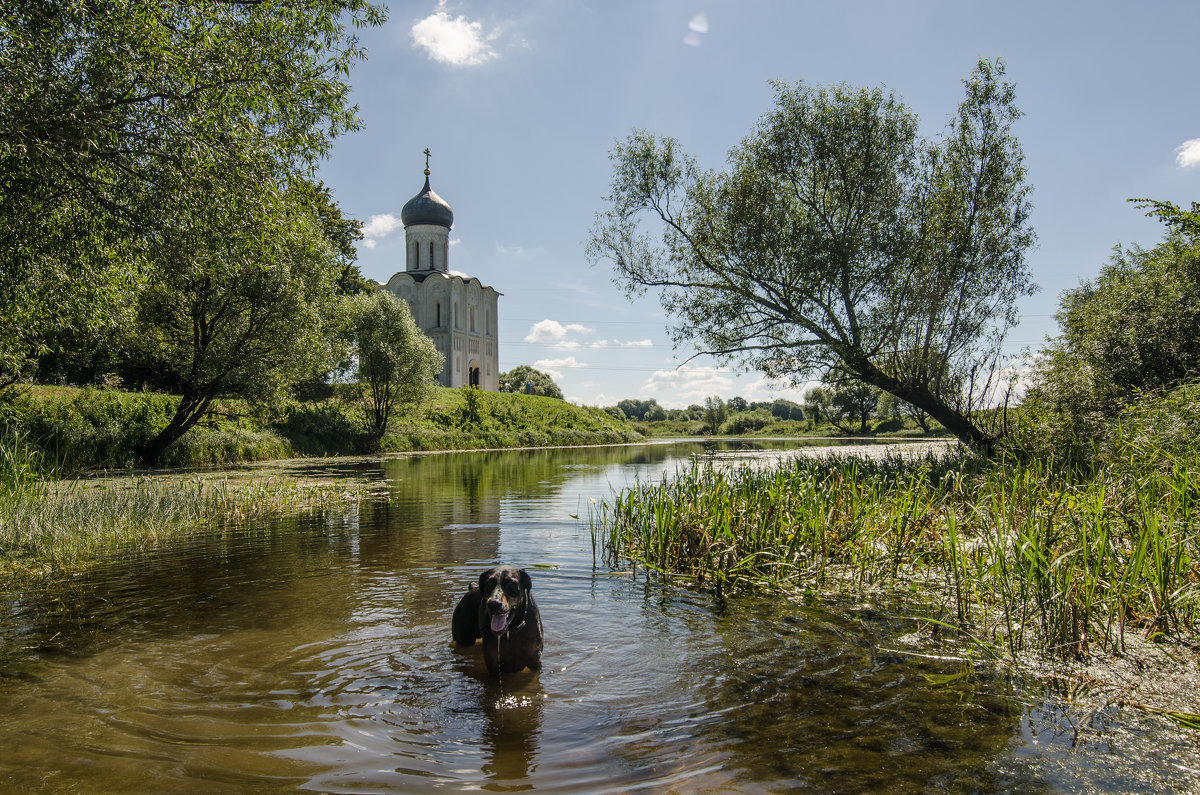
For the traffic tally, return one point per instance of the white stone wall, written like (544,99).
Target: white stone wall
(427,247)
(460,316)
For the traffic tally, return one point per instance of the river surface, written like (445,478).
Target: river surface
(313,653)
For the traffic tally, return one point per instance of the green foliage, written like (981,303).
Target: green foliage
(397,363)
(1129,333)
(837,239)
(636,409)
(71,430)
(95,427)
(525,380)
(747,422)
(123,119)
(715,413)
(787,410)
(243,303)
(324,428)
(1023,554)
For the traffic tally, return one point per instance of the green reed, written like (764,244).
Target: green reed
(1015,551)
(61,526)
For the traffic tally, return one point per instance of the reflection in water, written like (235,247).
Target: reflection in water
(315,654)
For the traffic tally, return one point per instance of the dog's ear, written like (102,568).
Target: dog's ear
(483,580)
(526,583)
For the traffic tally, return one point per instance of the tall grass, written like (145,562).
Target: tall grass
(1016,552)
(67,525)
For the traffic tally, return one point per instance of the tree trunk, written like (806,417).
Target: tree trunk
(951,419)
(190,411)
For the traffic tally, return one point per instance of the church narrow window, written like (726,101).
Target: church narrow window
(437,308)
(472,314)
(431,255)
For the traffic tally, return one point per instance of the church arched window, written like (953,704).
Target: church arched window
(431,255)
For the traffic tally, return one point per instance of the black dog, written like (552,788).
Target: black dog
(500,609)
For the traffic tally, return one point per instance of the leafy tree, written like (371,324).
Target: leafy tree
(397,363)
(845,404)
(818,404)
(715,413)
(241,302)
(837,239)
(854,402)
(636,409)
(341,232)
(891,407)
(1131,330)
(738,403)
(656,414)
(528,381)
(110,107)
(746,421)
(786,410)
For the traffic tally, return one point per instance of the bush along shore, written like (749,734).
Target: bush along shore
(53,522)
(89,429)
(1018,553)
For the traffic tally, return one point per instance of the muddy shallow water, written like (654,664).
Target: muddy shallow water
(314,654)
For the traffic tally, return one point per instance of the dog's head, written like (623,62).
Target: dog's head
(503,592)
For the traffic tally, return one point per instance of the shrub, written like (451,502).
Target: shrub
(747,421)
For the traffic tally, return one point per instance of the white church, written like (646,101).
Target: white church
(457,312)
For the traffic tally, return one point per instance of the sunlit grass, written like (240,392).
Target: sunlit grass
(1018,554)
(57,526)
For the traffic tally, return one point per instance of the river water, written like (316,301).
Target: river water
(313,653)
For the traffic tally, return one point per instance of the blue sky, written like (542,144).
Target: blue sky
(520,102)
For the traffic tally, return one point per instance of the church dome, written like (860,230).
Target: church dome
(427,208)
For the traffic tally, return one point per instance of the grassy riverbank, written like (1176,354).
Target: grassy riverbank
(77,430)
(1018,553)
(49,437)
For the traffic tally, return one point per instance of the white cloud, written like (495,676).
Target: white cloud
(1188,153)
(453,40)
(552,367)
(764,389)
(686,385)
(699,24)
(637,344)
(379,226)
(552,331)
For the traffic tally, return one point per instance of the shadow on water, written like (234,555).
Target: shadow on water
(314,653)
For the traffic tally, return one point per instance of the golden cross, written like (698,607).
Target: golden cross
(427,161)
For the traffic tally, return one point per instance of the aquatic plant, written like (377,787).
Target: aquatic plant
(1016,552)
(62,526)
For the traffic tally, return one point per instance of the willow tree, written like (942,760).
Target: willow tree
(107,106)
(839,239)
(242,302)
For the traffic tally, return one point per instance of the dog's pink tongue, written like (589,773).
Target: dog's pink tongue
(498,622)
